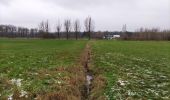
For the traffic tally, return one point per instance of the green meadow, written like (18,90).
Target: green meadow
(132,69)
(29,65)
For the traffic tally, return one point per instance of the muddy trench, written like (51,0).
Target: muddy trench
(88,73)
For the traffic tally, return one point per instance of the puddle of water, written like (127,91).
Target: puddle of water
(89,75)
(89,79)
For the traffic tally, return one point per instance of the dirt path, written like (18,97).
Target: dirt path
(95,83)
(80,81)
(85,61)
(84,83)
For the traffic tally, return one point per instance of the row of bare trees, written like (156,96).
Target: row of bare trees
(44,27)
(69,27)
(147,34)
(13,31)
(73,29)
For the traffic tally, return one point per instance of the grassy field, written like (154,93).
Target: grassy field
(133,70)
(52,68)
(37,67)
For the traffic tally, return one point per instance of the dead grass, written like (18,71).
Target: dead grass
(98,86)
(61,83)
(74,80)
(73,87)
(70,89)
(99,82)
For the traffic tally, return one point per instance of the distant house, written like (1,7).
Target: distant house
(111,36)
(116,36)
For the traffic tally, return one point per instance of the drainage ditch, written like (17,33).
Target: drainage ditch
(88,72)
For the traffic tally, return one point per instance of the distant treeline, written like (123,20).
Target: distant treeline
(72,30)
(66,30)
(147,34)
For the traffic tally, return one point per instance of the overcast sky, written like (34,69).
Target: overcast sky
(107,14)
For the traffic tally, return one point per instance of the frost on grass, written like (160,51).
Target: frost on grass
(58,81)
(23,94)
(136,78)
(148,84)
(18,83)
(121,82)
(10,97)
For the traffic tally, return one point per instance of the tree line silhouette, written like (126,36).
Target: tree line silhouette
(147,34)
(72,29)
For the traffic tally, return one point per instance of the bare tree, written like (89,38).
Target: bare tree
(124,30)
(89,26)
(33,32)
(67,26)
(58,28)
(42,27)
(77,28)
(47,27)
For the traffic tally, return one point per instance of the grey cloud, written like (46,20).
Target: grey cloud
(88,4)
(5,2)
(108,14)
(80,3)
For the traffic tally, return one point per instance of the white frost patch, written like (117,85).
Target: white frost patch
(10,97)
(122,83)
(23,94)
(16,82)
(59,74)
(89,78)
(162,85)
(138,59)
(162,76)
(47,74)
(129,74)
(34,73)
(58,81)
(130,93)
(148,71)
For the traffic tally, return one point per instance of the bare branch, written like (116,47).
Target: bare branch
(89,26)
(58,28)
(77,28)
(67,26)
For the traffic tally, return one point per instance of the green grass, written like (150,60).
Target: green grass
(133,69)
(34,62)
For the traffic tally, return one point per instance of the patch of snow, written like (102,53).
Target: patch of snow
(122,83)
(47,74)
(59,74)
(10,97)
(129,74)
(166,98)
(23,94)
(89,78)
(130,93)
(16,82)
(162,76)
(162,85)
(58,82)
(34,73)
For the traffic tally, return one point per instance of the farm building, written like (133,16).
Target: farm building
(113,35)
